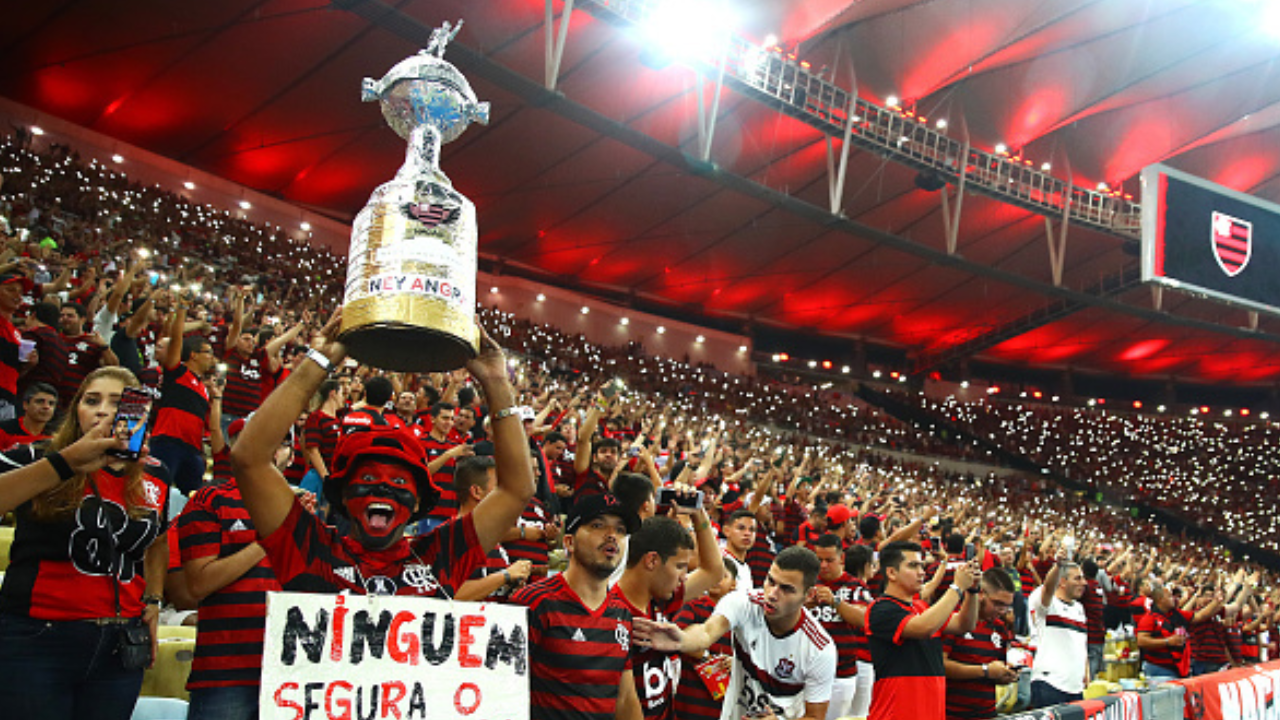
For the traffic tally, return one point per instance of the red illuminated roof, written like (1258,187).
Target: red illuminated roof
(266,94)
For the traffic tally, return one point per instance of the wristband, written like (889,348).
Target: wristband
(60,465)
(152,600)
(505,412)
(984,671)
(506,575)
(319,358)
(958,590)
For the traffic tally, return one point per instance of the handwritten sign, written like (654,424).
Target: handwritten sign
(344,657)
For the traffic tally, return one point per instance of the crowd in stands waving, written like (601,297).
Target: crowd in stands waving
(613,493)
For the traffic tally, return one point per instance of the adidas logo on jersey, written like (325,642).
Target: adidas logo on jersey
(346,573)
(238,526)
(578,636)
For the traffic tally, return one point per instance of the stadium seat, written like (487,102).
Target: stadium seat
(159,708)
(168,677)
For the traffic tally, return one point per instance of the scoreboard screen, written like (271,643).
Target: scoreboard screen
(1206,239)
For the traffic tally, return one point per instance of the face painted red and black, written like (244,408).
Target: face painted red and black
(380,497)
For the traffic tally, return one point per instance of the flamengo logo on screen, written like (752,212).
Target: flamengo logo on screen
(1251,698)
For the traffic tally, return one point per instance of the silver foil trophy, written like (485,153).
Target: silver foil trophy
(410,299)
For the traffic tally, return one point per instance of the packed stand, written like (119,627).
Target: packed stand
(641,505)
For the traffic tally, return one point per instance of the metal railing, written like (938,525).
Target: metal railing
(787,84)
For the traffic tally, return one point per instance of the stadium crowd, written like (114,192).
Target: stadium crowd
(601,487)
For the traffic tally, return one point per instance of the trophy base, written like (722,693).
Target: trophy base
(400,347)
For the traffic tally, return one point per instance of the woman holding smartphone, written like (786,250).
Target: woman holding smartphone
(86,567)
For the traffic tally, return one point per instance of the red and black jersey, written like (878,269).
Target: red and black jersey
(245,376)
(760,556)
(910,675)
(309,556)
(447,506)
(1209,641)
(576,655)
(1094,602)
(361,418)
(588,483)
(298,465)
(183,407)
(535,551)
(656,673)
(215,524)
(10,342)
(14,432)
(863,596)
(221,471)
(1250,644)
(793,516)
(807,535)
(84,355)
(987,643)
(51,365)
(1028,578)
(70,568)
(561,472)
(322,431)
(1162,625)
(495,562)
(845,589)
(694,701)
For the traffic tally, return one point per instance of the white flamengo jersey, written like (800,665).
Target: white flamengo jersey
(1060,637)
(776,673)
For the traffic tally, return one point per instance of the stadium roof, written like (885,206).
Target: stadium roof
(598,185)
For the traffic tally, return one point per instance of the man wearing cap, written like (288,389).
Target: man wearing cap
(838,523)
(580,634)
(380,481)
(11,290)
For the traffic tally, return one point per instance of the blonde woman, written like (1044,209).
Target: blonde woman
(86,567)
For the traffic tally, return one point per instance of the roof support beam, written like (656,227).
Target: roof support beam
(707,117)
(556,37)
(951,218)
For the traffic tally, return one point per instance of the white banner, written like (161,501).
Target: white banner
(346,657)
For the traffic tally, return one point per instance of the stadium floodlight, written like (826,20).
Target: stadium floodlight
(689,30)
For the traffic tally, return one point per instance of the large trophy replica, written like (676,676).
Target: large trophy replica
(410,299)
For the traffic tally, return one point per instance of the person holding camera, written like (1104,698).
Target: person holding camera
(905,635)
(81,597)
(976,661)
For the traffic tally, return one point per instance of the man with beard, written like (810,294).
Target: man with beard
(976,661)
(654,586)
(380,481)
(579,634)
(785,661)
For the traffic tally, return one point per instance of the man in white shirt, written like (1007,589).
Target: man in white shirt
(1060,634)
(784,661)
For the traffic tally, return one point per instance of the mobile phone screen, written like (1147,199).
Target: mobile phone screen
(131,421)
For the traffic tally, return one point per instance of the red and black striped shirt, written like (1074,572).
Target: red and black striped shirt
(760,557)
(322,431)
(183,406)
(987,643)
(51,365)
(845,589)
(245,377)
(656,673)
(447,506)
(10,340)
(1209,642)
(1094,602)
(1161,625)
(535,551)
(693,700)
(14,432)
(577,655)
(83,357)
(215,524)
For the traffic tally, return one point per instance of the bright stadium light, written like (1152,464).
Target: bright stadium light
(684,30)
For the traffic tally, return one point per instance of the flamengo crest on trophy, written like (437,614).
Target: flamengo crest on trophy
(409,302)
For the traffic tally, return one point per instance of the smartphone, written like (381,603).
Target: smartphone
(668,497)
(132,420)
(612,388)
